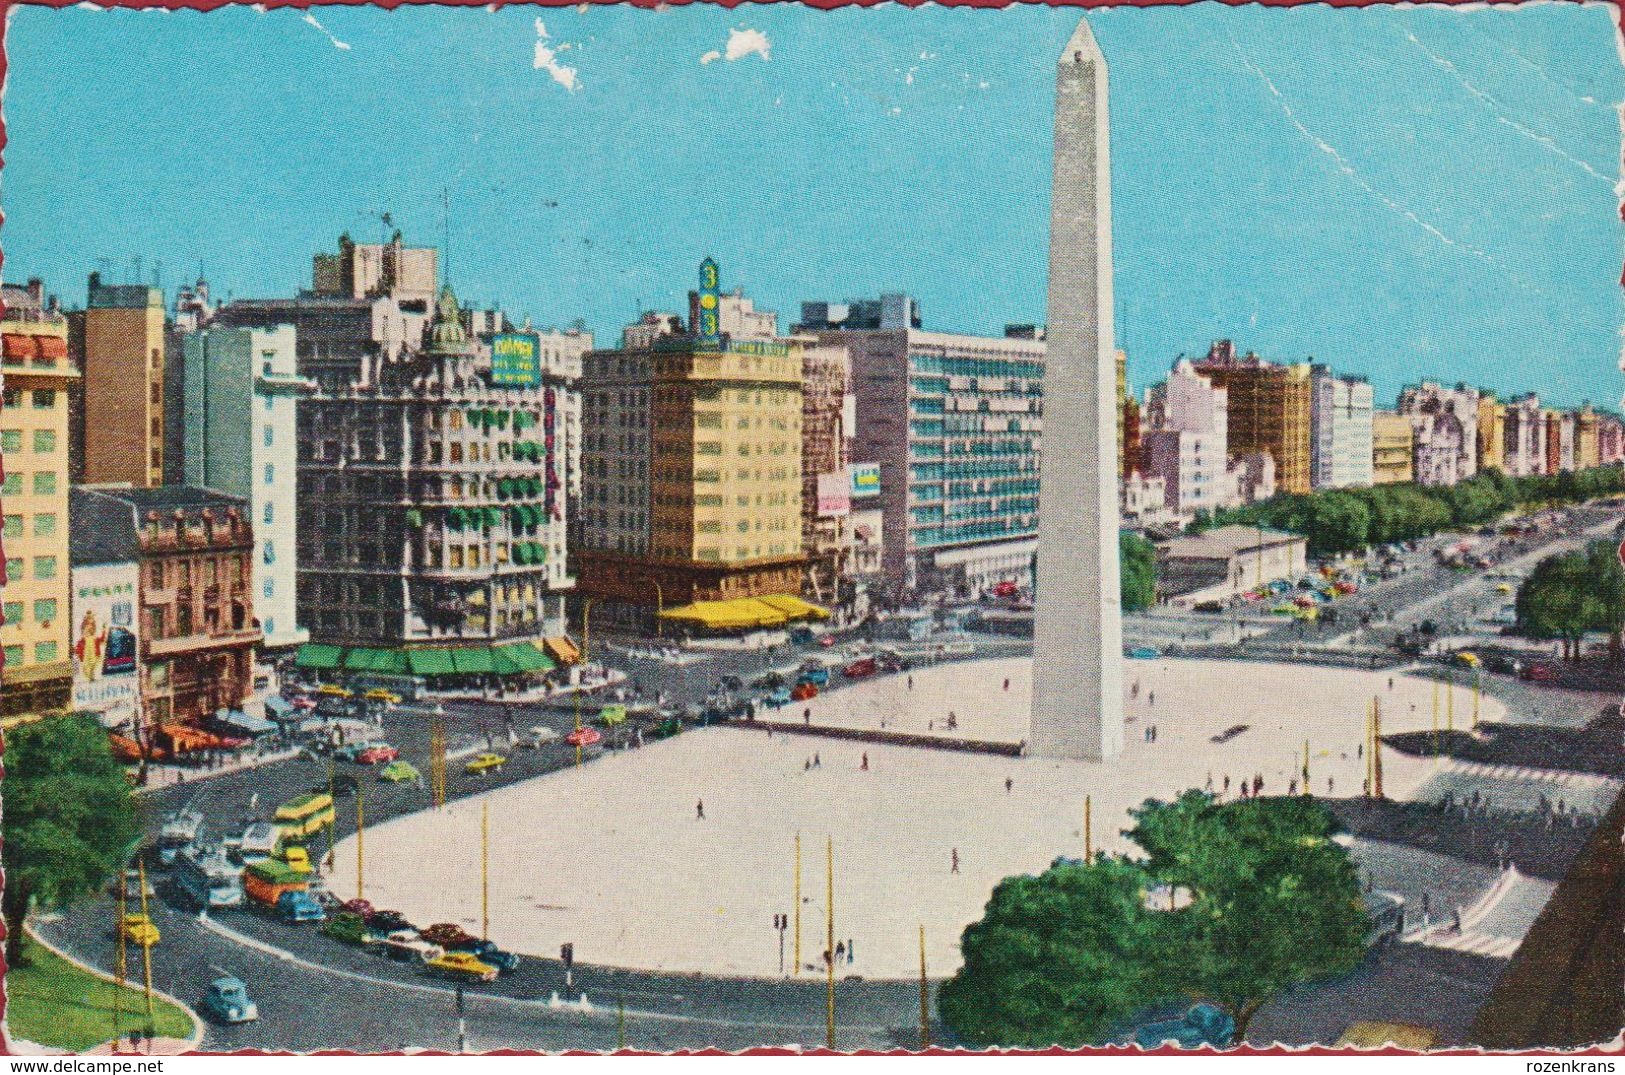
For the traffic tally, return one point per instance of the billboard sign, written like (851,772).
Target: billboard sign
(516,359)
(105,666)
(865,479)
(709,330)
(834,496)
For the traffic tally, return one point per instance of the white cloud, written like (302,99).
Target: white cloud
(711,57)
(311,19)
(547,59)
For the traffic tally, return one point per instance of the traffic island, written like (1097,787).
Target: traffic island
(58,1004)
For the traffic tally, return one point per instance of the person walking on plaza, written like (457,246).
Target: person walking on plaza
(1008,784)
(955,866)
(865,766)
(910,682)
(1227,783)
(806,766)
(1007,685)
(699,810)
(806,716)
(818,763)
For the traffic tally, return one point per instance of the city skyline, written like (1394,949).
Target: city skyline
(1530,220)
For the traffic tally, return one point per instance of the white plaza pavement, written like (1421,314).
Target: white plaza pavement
(612,857)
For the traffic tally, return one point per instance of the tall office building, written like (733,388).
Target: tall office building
(1445,421)
(1393,449)
(242,388)
(124,372)
(1078,635)
(1492,427)
(954,423)
(691,455)
(1187,446)
(37,631)
(1270,409)
(1339,430)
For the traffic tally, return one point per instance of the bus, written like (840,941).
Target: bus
(179,830)
(304,817)
(208,878)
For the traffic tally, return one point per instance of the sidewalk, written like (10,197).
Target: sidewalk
(164,776)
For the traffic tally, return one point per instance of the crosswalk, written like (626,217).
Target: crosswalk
(1497,922)
(1557,778)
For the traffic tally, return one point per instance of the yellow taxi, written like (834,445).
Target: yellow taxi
(1503,587)
(139,928)
(379,694)
(481,763)
(333,690)
(462,965)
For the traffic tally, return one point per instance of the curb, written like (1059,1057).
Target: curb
(197,1023)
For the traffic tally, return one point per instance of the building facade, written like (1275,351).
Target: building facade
(1393,449)
(1525,440)
(954,423)
(1587,450)
(1226,561)
(1187,446)
(106,646)
(828,418)
(242,390)
(691,454)
(124,392)
(1269,410)
(195,625)
(37,626)
(1339,430)
(1492,431)
(1444,422)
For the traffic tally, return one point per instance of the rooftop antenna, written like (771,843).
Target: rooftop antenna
(445,231)
(158,275)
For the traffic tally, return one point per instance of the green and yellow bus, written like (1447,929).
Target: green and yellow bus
(300,819)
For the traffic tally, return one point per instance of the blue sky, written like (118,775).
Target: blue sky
(1394,192)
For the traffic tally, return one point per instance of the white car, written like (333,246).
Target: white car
(535,737)
(405,944)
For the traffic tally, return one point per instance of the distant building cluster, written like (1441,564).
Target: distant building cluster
(1228,430)
(369,478)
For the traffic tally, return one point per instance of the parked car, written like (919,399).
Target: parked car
(379,694)
(376,754)
(1538,672)
(343,784)
(817,675)
(1145,653)
(537,736)
(351,928)
(1208,606)
(406,946)
(1467,659)
(227,1001)
(862,668)
(461,966)
(447,935)
(389,922)
(485,762)
(360,907)
(139,929)
(584,737)
(333,690)
(399,771)
(803,692)
(777,697)
(298,906)
(1203,1024)
(488,952)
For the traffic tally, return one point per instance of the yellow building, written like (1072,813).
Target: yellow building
(692,465)
(1392,449)
(124,384)
(1270,407)
(1587,450)
(37,633)
(1492,429)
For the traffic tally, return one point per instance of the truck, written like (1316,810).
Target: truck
(207,879)
(265,882)
(179,830)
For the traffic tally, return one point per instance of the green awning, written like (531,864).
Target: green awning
(474,416)
(456,518)
(538,552)
(534,516)
(473,660)
(502,663)
(525,656)
(315,655)
(365,660)
(390,662)
(521,554)
(493,517)
(502,419)
(430,662)
(505,488)
(414,518)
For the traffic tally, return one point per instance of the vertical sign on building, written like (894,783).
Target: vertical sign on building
(709,330)
(549,424)
(516,359)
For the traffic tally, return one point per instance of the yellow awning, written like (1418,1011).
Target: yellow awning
(794,607)
(737,614)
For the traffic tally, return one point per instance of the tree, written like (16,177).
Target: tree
(1274,901)
(1138,571)
(1063,958)
(1338,522)
(1558,601)
(70,821)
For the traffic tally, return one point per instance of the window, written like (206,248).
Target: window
(14,611)
(44,652)
(14,656)
(270,513)
(14,568)
(270,474)
(270,435)
(45,482)
(45,609)
(44,399)
(11,440)
(45,567)
(45,440)
(269,588)
(13,485)
(157,582)
(270,625)
(270,552)
(13,397)
(14,526)
(44,525)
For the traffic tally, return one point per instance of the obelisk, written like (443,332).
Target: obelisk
(1078,626)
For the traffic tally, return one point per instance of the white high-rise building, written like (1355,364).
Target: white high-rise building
(242,385)
(1339,430)
(1078,628)
(1187,446)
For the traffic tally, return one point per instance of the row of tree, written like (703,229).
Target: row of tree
(1348,520)
(1264,900)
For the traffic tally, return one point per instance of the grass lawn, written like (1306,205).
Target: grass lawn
(54,1003)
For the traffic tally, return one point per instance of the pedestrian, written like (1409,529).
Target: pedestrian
(865,765)
(1008,784)
(818,763)
(1152,698)
(1390,682)
(1329,785)
(955,868)
(1007,684)
(1210,780)
(910,682)
(806,716)
(851,951)
(840,951)
(699,810)
(806,766)
(1359,751)
(1292,786)
(1227,783)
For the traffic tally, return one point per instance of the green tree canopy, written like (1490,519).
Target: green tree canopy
(70,821)
(1058,959)
(1139,571)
